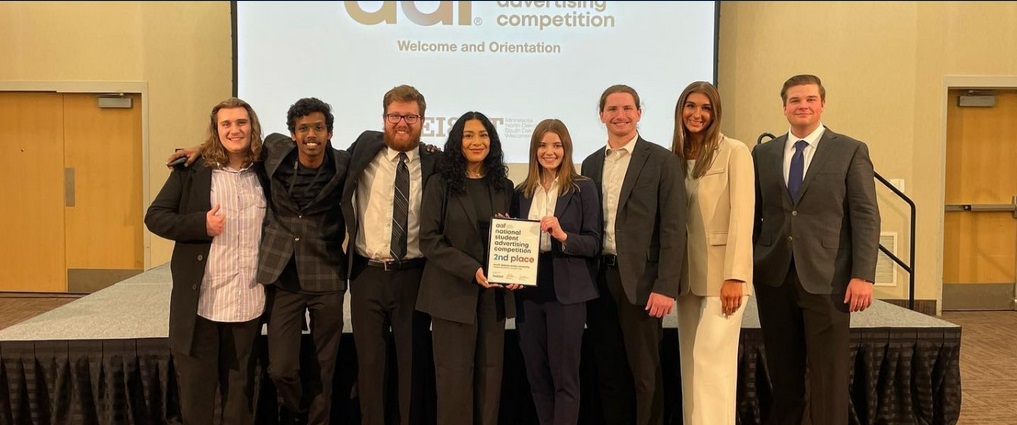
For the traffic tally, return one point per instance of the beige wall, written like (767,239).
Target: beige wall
(182,50)
(884,65)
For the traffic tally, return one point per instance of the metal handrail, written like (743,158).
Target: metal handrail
(908,267)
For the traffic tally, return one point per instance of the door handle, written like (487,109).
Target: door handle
(68,187)
(1011,207)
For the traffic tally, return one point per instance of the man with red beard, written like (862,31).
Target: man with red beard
(381,206)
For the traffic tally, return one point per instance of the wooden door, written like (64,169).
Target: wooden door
(71,175)
(980,229)
(104,236)
(31,187)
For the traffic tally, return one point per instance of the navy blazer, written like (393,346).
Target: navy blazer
(575,263)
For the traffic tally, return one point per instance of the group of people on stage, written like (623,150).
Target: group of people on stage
(633,232)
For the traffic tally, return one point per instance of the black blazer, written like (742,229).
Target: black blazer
(178,213)
(575,264)
(834,223)
(313,234)
(362,152)
(452,243)
(650,233)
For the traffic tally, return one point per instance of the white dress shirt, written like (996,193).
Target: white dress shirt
(229,291)
(616,164)
(812,141)
(544,203)
(375,191)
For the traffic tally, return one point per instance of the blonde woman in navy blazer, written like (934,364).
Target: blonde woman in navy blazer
(720,183)
(551,317)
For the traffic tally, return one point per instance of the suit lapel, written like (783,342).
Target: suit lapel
(639,156)
(203,180)
(525,203)
(331,184)
(563,201)
(776,156)
(471,213)
(273,161)
(426,166)
(364,158)
(597,170)
(823,152)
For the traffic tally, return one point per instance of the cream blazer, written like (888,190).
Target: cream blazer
(721,208)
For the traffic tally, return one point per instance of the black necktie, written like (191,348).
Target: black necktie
(400,208)
(794,176)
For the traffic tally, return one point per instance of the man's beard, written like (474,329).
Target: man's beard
(402,145)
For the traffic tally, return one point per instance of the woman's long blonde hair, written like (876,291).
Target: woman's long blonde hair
(566,173)
(681,144)
(213,152)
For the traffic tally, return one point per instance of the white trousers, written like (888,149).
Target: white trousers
(709,359)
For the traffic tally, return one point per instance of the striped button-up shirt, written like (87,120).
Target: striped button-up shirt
(229,291)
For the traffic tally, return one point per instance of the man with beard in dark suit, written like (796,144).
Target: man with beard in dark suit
(381,205)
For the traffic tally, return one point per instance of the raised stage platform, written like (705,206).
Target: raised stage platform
(103,359)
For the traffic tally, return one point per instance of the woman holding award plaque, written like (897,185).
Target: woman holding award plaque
(468,312)
(550,318)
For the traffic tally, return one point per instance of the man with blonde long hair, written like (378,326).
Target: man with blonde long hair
(214,210)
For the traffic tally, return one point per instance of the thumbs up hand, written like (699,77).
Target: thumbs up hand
(215,221)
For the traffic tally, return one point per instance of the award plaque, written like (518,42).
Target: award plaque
(513,249)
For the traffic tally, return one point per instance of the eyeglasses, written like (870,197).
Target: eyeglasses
(394,118)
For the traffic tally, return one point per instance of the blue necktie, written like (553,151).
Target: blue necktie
(797,171)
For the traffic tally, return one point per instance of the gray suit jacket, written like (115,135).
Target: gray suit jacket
(313,235)
(650,224)
(832,229)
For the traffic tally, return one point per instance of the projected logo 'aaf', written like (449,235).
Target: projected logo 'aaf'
(444,14)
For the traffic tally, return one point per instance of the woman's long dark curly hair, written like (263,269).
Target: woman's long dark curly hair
(453,167)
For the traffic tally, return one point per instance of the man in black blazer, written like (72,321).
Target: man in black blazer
(302,259)
(816,236)
(644,204)
(215,303)
(384,278)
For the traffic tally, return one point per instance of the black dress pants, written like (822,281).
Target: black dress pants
(220,357)
(468,362)
(382,303)
(627,357)
(305,389)
(806,338)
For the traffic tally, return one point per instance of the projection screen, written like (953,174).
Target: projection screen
(518,62)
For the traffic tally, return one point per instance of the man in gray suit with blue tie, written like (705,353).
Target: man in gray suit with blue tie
(816,236)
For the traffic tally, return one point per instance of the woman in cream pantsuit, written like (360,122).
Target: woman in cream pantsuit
(720,184)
